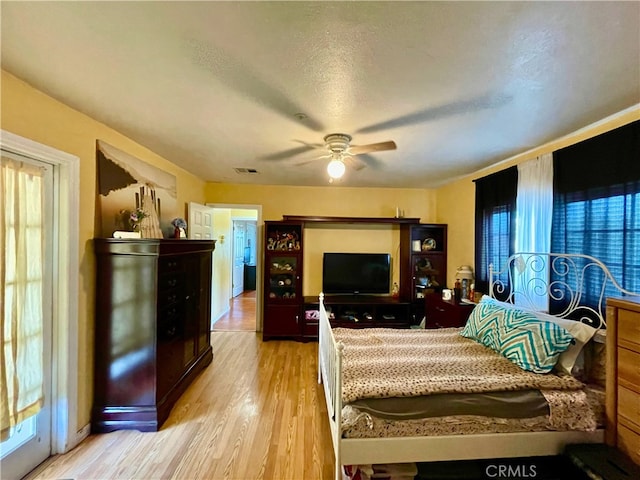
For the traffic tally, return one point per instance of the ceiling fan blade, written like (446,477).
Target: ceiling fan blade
(354,163)
(476,104)
(306,162)
(373,147)
(365,160)
(371,161)
(292,152)
(242,77)
(311,145)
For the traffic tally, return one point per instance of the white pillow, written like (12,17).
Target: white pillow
(581,333)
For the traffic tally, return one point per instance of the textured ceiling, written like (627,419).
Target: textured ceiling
(212,86)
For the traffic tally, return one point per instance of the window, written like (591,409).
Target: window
(496,235)
(495,212)
(604,223)
(596,207)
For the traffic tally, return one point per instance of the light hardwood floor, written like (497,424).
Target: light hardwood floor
(241,316)
(256,412)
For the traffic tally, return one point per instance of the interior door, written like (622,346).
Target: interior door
(239,243)
(251,236)
(200,226)
(29,441)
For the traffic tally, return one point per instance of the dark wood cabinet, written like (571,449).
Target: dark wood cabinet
(152,332)
(249,277)
(282,303)
(356,311)
(441,313)
(282,321)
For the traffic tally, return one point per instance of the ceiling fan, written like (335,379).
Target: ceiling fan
(342,152)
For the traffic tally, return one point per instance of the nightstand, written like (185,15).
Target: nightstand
(446,313)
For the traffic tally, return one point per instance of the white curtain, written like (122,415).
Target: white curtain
(534,210)
(21,274)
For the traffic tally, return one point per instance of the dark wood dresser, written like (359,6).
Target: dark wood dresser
(152,332)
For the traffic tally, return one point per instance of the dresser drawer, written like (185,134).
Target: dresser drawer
(629,408)
(629,328)
(171,263)
(310,329)
(629,443)
(629,369)
(170,281)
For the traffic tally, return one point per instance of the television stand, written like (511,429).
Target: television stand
(356,311)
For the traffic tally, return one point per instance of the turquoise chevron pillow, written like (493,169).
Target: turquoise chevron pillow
(532,344)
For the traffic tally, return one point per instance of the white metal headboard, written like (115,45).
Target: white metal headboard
(557,282)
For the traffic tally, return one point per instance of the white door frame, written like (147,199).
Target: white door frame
(65,433)
(259,266)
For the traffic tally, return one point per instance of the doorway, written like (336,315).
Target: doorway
(236,267)
(44,421)
(27,289)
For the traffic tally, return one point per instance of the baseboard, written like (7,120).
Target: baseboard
(76,439)
(220,315)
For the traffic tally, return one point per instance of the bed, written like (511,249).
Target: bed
(360,367)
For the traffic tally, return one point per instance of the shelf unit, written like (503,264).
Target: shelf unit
(423,263)
(282,302)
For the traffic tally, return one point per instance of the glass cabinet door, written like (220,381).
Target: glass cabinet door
(283,277)
(427,273)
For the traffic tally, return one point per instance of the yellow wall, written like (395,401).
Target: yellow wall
(346,238)
(280,200)
(456,201)
(30,113)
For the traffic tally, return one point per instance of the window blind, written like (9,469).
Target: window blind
(597,205)
(495,222)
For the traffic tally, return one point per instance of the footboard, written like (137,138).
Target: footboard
(330,373)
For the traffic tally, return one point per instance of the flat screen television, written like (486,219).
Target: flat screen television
(356,273)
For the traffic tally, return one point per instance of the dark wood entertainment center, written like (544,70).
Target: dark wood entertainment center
(288,314)
(357,311)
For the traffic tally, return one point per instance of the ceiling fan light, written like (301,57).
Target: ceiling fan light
(336,168)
